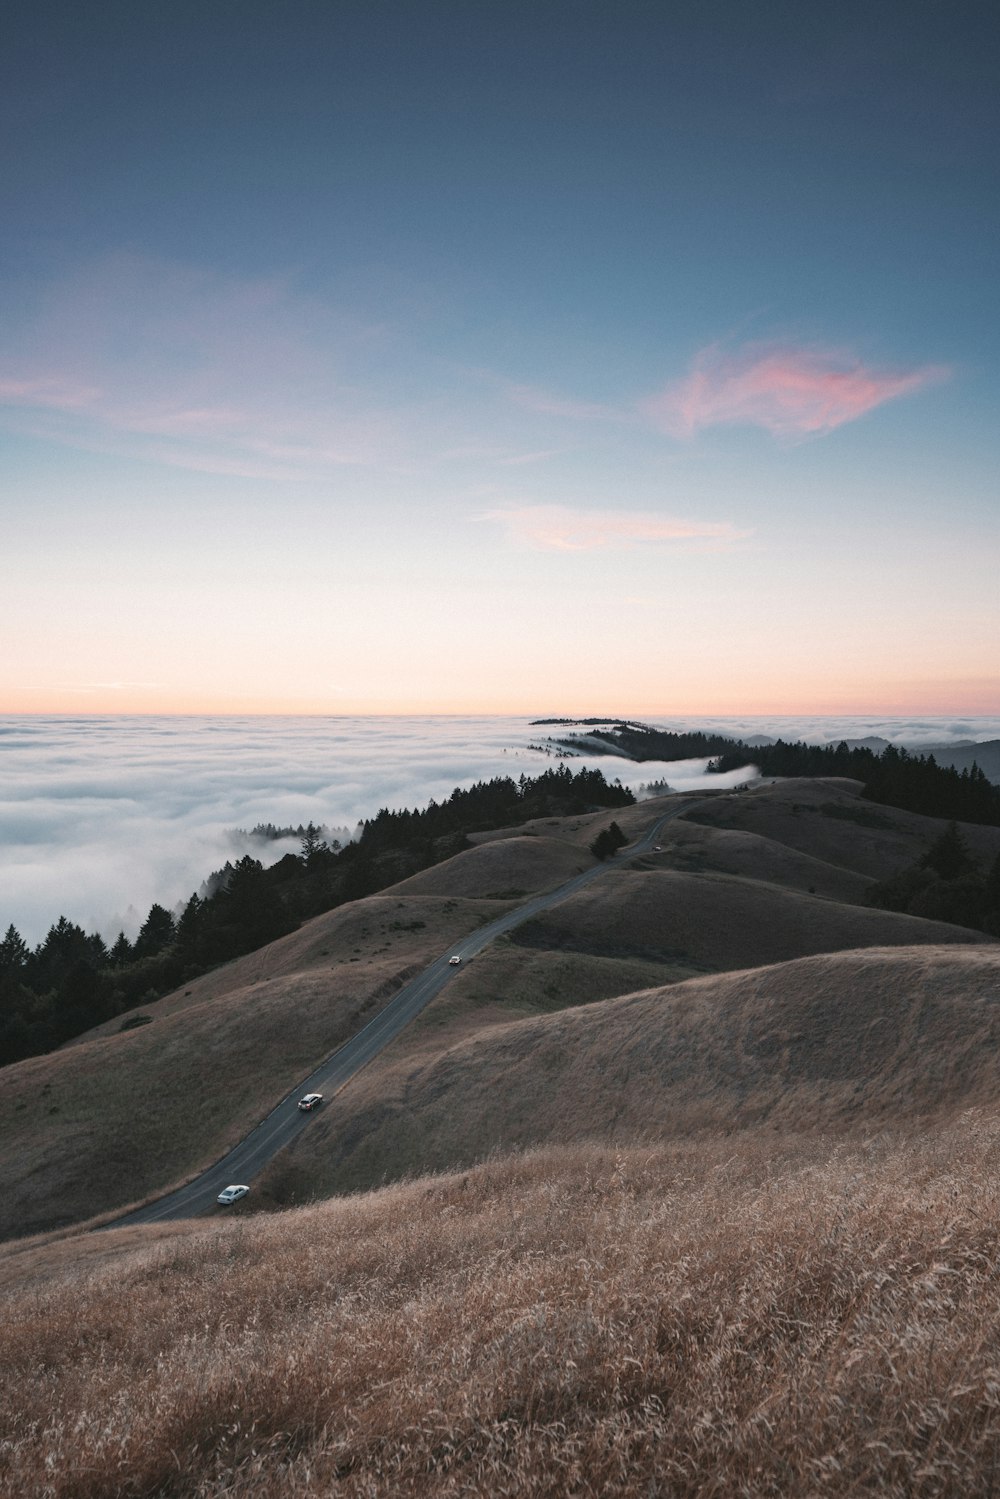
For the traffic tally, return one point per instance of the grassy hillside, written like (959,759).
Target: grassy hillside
(695,847)
(717,1319)
(730,1233)
(844,1041)
(828,820)
(715,921)
(117,1116)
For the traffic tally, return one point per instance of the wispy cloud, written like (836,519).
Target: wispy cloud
(49,392)
(557,528)
(504,457)
(178,366)
(547,404)
(788,391)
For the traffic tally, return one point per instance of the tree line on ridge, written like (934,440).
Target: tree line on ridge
(73,980)
(893,777)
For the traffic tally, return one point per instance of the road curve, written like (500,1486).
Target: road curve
(286,1121)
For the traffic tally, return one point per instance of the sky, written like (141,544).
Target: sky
(442,357)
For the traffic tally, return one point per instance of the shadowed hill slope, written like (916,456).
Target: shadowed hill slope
(696,847)
(717,921)
(503,868)
(842,1041)
(117,1115)
(829,820)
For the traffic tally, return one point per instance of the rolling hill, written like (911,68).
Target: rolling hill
(838,1042)
(712,1206)
(117,1115)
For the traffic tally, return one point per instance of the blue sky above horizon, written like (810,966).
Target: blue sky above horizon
(521,358)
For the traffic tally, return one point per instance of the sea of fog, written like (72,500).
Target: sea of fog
(101,816)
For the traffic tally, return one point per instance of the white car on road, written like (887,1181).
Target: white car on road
(232,1194)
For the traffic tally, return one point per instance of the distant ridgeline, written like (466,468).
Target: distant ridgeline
(73,981)
(894,777)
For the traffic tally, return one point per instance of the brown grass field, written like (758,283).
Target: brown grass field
(688,1188)
(757,1316)
(846,1041)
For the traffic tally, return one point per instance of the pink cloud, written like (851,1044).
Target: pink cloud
(790,392)
(557,528)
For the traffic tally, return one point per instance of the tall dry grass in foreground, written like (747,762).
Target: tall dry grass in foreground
(661,1321)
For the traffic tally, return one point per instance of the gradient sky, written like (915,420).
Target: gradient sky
(475,357)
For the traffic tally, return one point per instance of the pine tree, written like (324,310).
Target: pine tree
(156,932)
(13,951)
(949,855)
(190,930)
(121,952)
(312,847)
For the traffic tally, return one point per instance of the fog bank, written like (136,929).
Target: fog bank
(101,816)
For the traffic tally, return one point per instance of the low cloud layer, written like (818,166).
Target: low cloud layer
(790,392)
(557,528)
(99,817)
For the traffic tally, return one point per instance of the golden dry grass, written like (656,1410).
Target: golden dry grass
(735,1318)
(845,1041)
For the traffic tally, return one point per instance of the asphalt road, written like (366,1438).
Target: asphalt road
(286,1121)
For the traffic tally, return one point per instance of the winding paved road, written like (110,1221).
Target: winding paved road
(285,1121)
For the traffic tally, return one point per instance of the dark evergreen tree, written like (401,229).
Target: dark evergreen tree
(608,841)
(961,900)
(14,951)
(313,847)
(121,952)
(944,885)
(82,1000)
(245,914)
(99,955)
(156,933)
(190,931)
(65,944)
(948,856)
